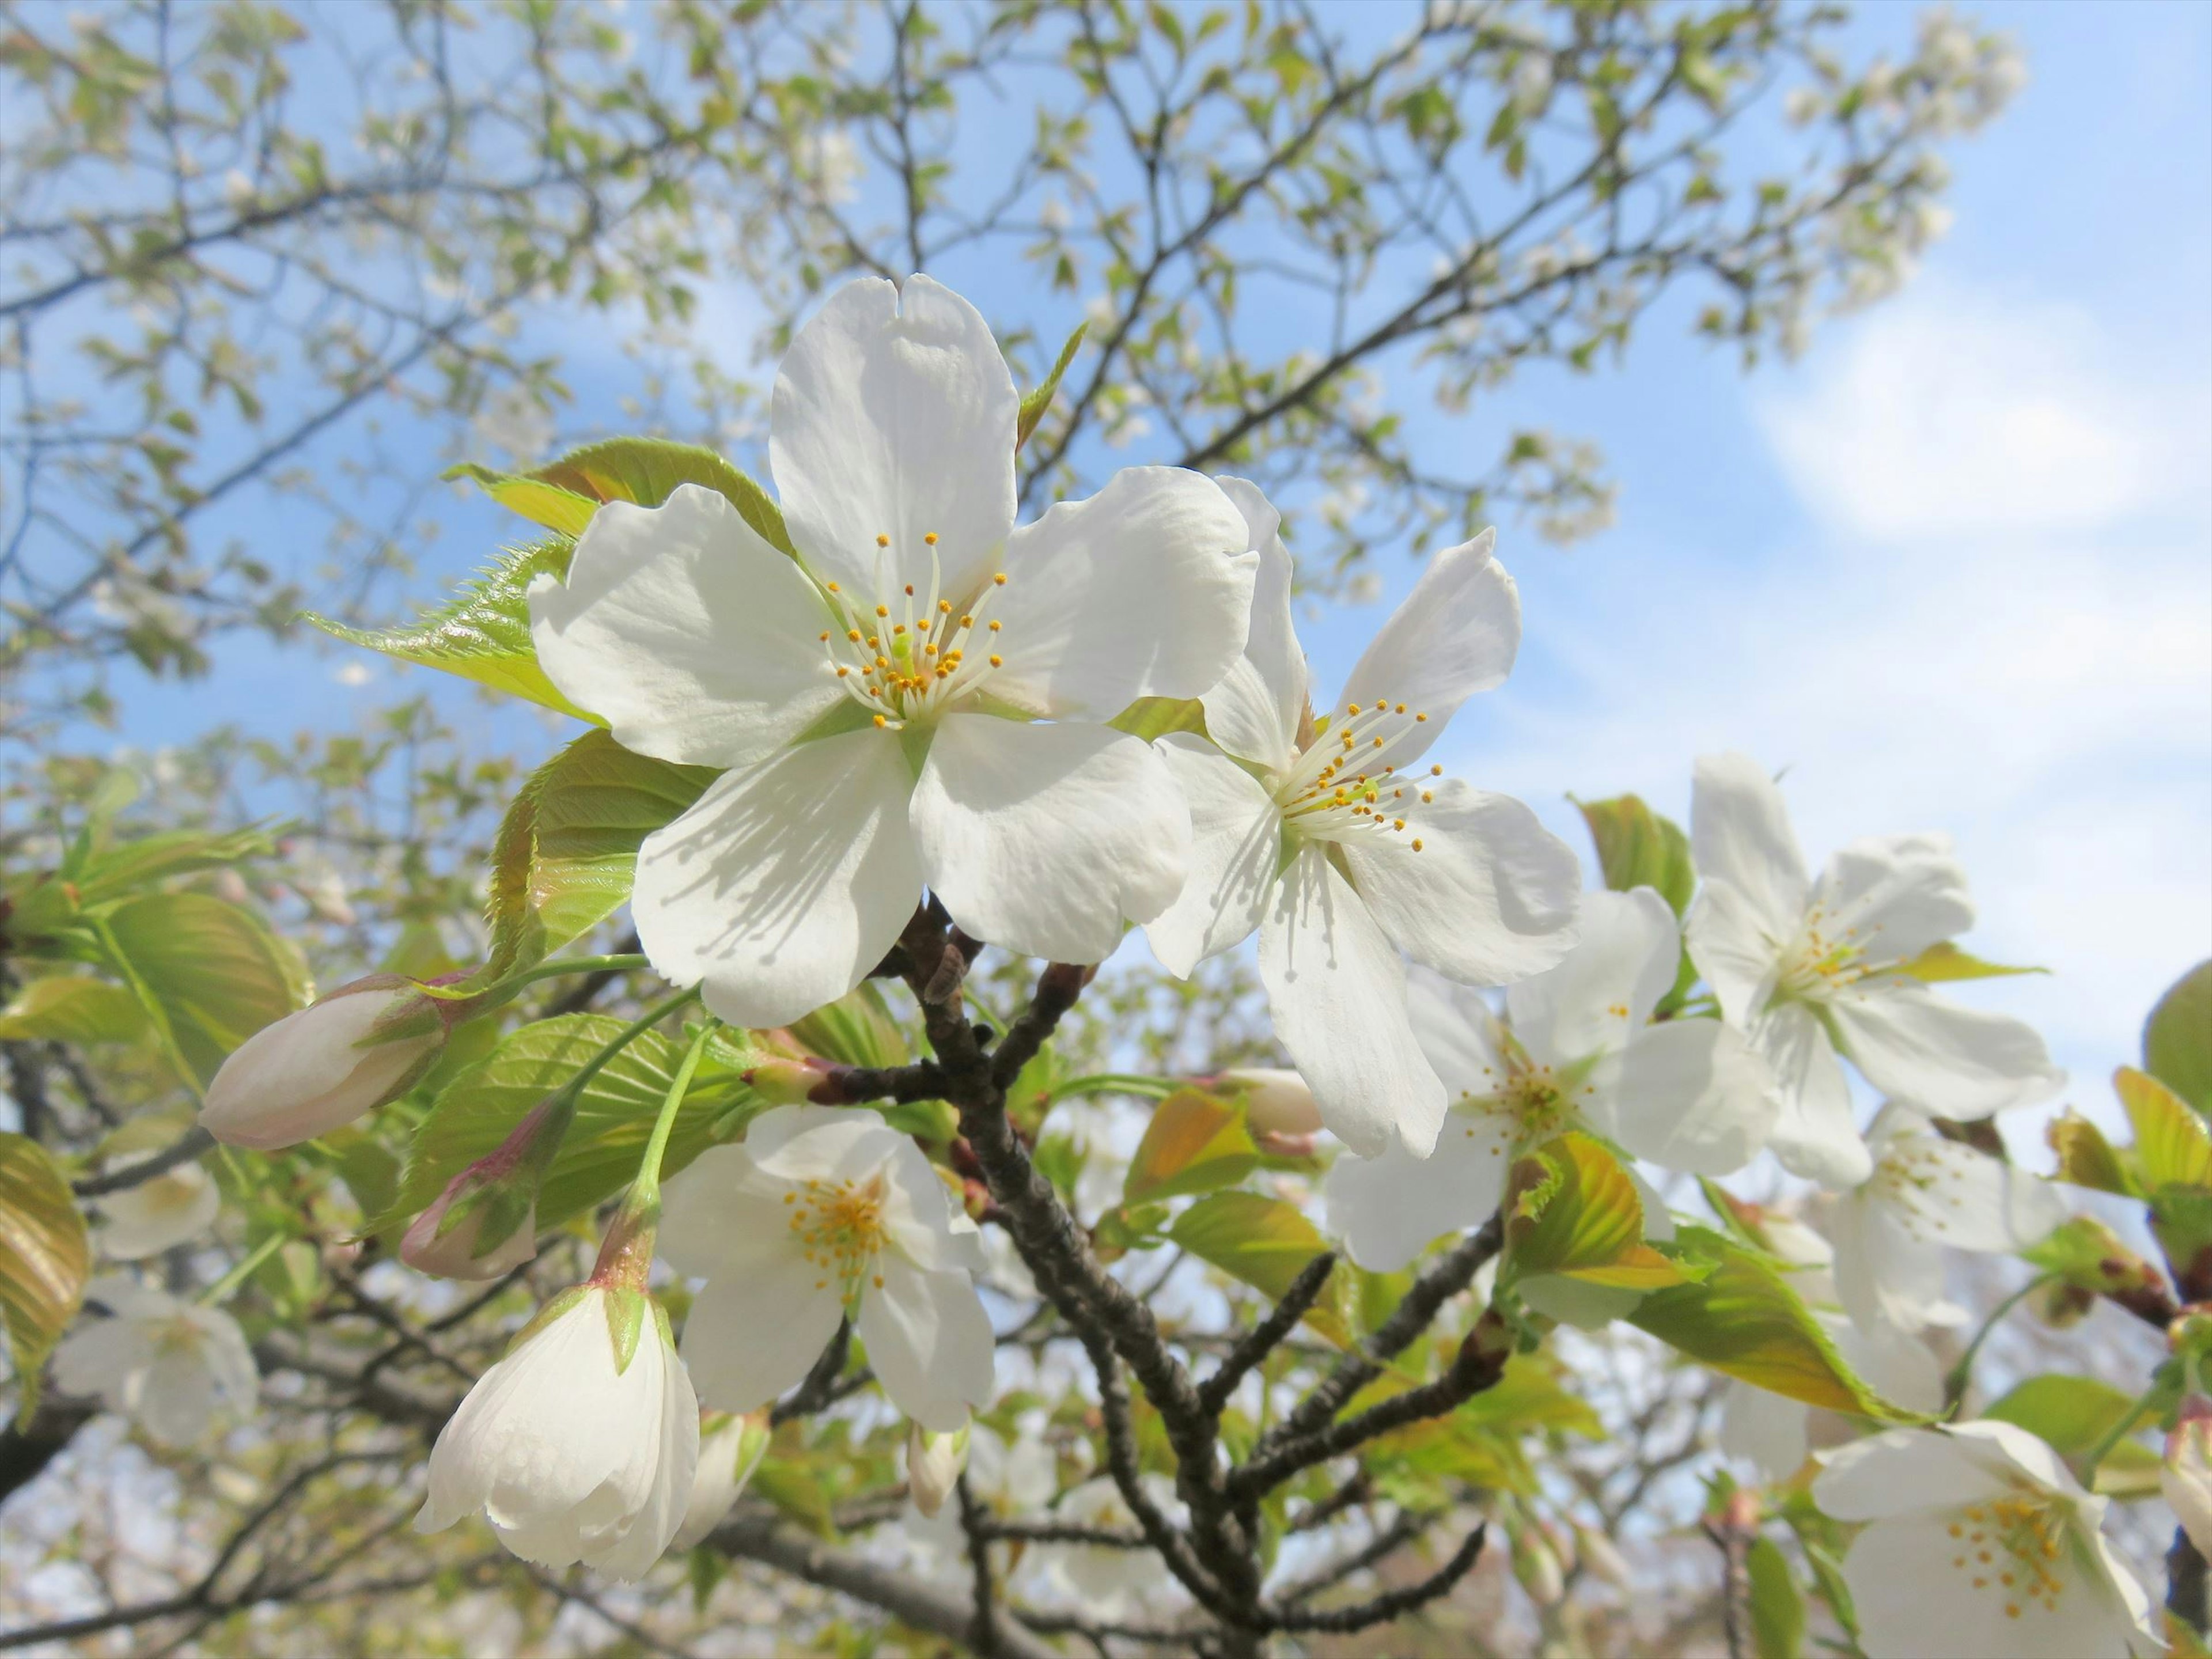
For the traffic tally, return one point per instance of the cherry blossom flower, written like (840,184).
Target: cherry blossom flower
(581,1443)
(731,1447)
(1979,1541)
(933,1463)
(325,1065)
(820,1215)
(1326,836)
(1810,971)
(170,1366)
(1925,1193)
(158,1214)
(921,697)
(1575,1052)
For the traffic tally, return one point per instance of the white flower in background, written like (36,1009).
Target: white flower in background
(1979,1542)
(1575,1052)
(933,1463)
(2184,1477)
(325,1065)
(920,699)
(572,1452)
(158,1214)
(1925,1193)
(1768,1431)
(1325,837)
(821,1214)
(1809,970)
(731,1447)
(1101,1578)
(1280,1109)
(1005,1479)
(170,1366)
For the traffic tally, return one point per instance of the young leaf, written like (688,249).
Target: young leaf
(1944,961)
(1035,402)
(483,633)
(648,471)
(44,1259)
(115,870)
(1777,1610)
(1637,847)
(1195,1143)
(2172,1148)
(2178,1038)
(214,972)
(2072,1415)
(1571,1209)
(856,1030)
(1264,1242)
(72,1008)
(1155,717)
(1742,1318)
(2085,1158)
(548,506)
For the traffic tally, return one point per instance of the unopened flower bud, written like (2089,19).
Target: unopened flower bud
(325,1066)
(2186,1476)
(795,1080)
(1537,1568)
(731,1448)
(1279,1109)
(485,1222)
(1604,1559)
(933,1463)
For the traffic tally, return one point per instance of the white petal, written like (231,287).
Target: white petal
(1734,946)
(1765,1430)
(894,415)
(1915,1603)
(1904,1471)
(1816,1133)
(1902,1368)
(174,1398)
(2009,1448)
(786,883)
(689,636)
(1043,839)
(1338,991)
(149,1218)
(1490,896)
(755,1333)
(1884,1277)
(720,1213)
(97,1358)
(1387,1209)
(1950,1194)
(930,1341)
(1894,895)
(1235,844)
(1143,590)
(1455,634)
(1740,833)
(1950,1059)
(1692,1094)
(1458,1030)
(658,1486)
(1255,710)
(1626,954)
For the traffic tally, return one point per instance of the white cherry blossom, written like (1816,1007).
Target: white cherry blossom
(172,1367)
(157,1215)
(1979,1541)
(820,1213)
(1925,1193)
(571,1453)
(1325,837)
(1809,971)
(918,699)
(731,1447)
(1576,1051)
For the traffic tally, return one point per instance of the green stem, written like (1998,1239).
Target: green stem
(1954,1384)
(503,988)
(645,1191)
(222,1290)
(621,1040)
(2119,1432)
(1116,1083)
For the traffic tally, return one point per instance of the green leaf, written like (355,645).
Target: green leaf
(2172,1148)
(114,870)
(1155,717)
(548,506)
(1035,402)
(72,1008)
(1777,1611)
(614,1114)
(1637,847)
(856,1030)
(648,470)
(1264,1242)
(483,633)
(2178,1038)
(1571,1209)
(44,1259)
(1195,1143)
(214,972)
(2085,1158)
(567,850)
(1946,961)
(2072,1415)
(1742,1318)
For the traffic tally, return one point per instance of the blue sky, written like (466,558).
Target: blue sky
(1952,569)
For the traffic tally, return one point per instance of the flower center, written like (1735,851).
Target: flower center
(1821,963)
(1530,1105)
(1344,787)
(839,1225)
(1907,1179)
(2014,1543)
(909,657)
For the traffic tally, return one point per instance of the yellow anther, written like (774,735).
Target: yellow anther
(1397,823)
(996,626)
(1420,717)
(880,720)
(998,661)
(898,628)
(931,539)
(910,590)
(842,673)
(834,588)
(967,620)
(1401,708)
(882,611)
(825,636)
(1351,708)
(853,635)
(999,579)
(1435,771)
(945,606)
(882,541)
(1417,843)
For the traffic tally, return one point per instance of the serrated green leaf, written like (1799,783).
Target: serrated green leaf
(856,1030)
(1777,1610)
(72,1008)
(2172,1148)
(476,1110)
(1035,402)
(566,849)
(546,505)
(1264,1242)
(1945,960)
(2178,1038)
(44,1259)
(1571,1209)
(1637,847)
(648,470)
(1195,1143)
(483,633)
(2085,1158)
(2072,1415)
(215,971)
(1743,1319)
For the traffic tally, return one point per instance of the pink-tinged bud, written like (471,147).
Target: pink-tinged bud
(486,1220)
(2186,1476)
(1277,1104)
(325,1066)
(797,1080)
